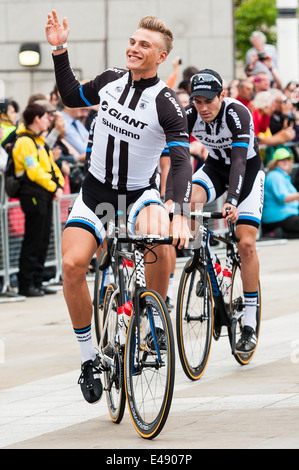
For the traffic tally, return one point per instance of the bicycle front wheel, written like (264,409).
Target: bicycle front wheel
(150,366)
(237,305)
(99,294)
(194,322)
(113,357)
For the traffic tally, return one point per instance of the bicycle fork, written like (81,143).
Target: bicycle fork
(139,363)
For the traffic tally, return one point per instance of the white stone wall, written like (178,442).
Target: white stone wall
(203,32)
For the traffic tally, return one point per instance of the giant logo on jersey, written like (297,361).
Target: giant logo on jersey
(174,102)
(123,117)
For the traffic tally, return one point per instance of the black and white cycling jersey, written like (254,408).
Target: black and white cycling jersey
(230,140)
(135,121)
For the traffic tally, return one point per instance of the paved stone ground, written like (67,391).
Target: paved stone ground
(231,407)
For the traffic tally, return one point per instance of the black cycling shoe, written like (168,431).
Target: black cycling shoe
(160,338)
(247,342)
(90,382)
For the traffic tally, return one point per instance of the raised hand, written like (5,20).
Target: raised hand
(55,33)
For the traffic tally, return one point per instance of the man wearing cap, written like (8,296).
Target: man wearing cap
(281,207)
(225,127)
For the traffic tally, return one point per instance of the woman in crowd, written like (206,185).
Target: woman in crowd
(281,206)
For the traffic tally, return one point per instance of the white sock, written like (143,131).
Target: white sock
(157,321)
(250,309)
(87,350)
(169,291)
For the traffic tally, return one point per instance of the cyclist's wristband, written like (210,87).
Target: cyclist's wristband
(231,200)
(59,47)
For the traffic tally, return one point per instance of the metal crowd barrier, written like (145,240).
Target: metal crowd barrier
(12,223)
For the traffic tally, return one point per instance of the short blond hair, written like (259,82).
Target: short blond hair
(152,23)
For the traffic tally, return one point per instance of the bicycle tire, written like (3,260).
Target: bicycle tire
(98,295)
(113,374)
(149,375)
(237,304)
(194,327)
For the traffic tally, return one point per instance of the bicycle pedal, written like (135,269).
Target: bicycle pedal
(103,368)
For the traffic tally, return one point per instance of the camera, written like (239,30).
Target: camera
(262,56)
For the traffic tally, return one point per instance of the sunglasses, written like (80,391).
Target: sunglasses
(204,77)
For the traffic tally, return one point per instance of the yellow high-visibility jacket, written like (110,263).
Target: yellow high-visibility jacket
(36,164)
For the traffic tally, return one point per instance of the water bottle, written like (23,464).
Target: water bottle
(128,307)
(217,267)
(219,273)
(123,318)
(226,285)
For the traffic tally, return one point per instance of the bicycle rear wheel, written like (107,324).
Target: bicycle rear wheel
(194,322)
(150,366)
(113,365)
(237,305)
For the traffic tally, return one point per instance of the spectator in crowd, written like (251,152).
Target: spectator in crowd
(173,77)
(282,115)
(3,153)
(264,106)
(261,82)
(8,117)
(188,73)
(296,138)
(42,181)
(183,97)
(262,57)
(35,97)
(295,98)
(232,88)
(225,88)
(245,92)
(289,88)
(76,133)
(281,204)
(55,99)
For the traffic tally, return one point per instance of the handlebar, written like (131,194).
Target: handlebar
(205,216)
(141,239)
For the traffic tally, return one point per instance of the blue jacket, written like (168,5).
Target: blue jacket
(278,185)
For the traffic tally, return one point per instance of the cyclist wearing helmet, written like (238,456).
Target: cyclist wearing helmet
(225,127)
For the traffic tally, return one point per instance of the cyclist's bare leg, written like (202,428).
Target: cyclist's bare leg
(249,271)
(198,195)
(249,257)
(154,219)
(78,247)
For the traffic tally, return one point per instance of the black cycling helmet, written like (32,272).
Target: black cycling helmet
(207,83)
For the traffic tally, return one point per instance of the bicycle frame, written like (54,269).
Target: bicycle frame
(117,255)
(222,316)
(220,313)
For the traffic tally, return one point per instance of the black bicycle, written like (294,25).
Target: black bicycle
(201,311)
(142,371)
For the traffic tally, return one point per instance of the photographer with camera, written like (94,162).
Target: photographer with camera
(262,57)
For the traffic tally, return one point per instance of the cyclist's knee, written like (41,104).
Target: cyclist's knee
(246,246)
(153,220)
(74,269)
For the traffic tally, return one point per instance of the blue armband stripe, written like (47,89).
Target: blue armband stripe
(83,97)
(240,144)
(178,144)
